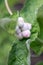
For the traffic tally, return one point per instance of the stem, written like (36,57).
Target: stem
(8,8)
(29,54)
(18,13)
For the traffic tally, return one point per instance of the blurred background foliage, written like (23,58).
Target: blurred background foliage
(6,38)
(3,11)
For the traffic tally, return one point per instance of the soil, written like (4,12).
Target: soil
(35,59)
(18,6)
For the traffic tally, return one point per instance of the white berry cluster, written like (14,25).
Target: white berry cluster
(23,29)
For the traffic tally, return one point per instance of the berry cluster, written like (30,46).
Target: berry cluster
(23,29)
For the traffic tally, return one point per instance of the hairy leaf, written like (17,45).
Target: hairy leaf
(36,46)
(29,12)
(18,54)
(40,21)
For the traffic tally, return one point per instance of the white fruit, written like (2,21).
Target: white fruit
(24,27)
(27,26)
(19,36)
(20,22)
(26,33)
(17,30)
(20,19)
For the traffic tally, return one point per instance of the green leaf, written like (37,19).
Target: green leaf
(40,21)
(8,25)
(5,46)
(18,54)
(3,35)
(29,12)
(4,52)
(36,46)
(35,31)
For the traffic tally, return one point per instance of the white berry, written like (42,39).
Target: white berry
(26,33)
(19,36)
(20,22)
(27,26)
(17,30)
(20,19)
(24,27)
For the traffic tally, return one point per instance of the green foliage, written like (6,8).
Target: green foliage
(8,25)
(4,52)
(35,31)
(29,12)
(37,47)
(18,54)
(40,21)
(5,46)
(3,10)
(6,38)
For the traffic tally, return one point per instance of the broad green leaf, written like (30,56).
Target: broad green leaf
(29,12)
(40,21)
(36,46)
(35,31)
(5,46)
(18,54)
